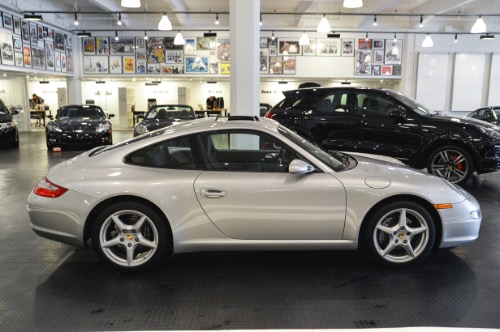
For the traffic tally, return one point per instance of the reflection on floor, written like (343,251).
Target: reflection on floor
(48,286)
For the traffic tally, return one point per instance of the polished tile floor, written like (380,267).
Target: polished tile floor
(48,286)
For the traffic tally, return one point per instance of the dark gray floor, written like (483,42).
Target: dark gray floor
(47,286)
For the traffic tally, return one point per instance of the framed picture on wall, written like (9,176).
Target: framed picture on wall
(213,68)
(190,46)
(196,64)
(168,69)
(309,49)
(396,70)
(378,44)
(224,49)
(128,64)
(7,21)
(140,55)
(7,50)
(328,47)
(38,57)
(141,66)
(49,55)
(64,63)
(275,65)
(224,68)
(264,63)
(57,61)
(88,46)
(18,44)
(376,70)
(153,68)
(96,64)
(264,42)
(27,55)
(102,45)
(363,62)
(378,56)
(347,47)
(289,65)
(365,44)
(18,58)
(115,64)
(69,60)
(205,43)
(17,25)
(33,33)
(40,32)
(169,44)
(59,42)
(174,56)
(386,70)
(288,47)
(25,31)
(393,50)
(122,46)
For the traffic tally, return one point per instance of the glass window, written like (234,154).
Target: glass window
(325,105)
(246,151)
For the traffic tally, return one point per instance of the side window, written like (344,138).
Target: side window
(246,151)
(376,105)
(346,103)
(177,153)
(325,104)
(474,115)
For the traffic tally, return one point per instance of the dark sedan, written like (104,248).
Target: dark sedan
(9,134)
(160,116)
(79,126)
(386,122)
(489,114)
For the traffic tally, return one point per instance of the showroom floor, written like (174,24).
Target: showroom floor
(48,286)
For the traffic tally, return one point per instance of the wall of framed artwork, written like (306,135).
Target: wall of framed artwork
(96,64)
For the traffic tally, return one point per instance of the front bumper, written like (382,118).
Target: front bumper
(461,223)
(79,139)
(8,135)
(60,219)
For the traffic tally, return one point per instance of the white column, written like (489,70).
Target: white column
(74,83)
(245,77)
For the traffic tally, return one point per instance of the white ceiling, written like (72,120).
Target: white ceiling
(304,15)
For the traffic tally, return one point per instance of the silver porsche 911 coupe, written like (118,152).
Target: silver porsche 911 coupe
(245,183)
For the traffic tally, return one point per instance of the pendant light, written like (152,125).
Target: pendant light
(353,3)
(131,3)
(323,25)
(304,39)
(428,42)
(479,26)
(179,39)
(164,23)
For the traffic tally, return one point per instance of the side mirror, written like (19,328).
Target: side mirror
(111,116)
(298,166)
(398,114)
(14,112)
(51,117)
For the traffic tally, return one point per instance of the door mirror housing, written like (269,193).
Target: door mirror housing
(298,166)
(398,114)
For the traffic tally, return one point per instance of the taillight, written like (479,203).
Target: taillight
(268,115)
(46,188)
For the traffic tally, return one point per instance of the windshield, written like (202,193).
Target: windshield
(414,105)
(161,112)
(332,161)
(85,112)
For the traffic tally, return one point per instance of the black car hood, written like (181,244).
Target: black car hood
(81,125)
(465,121)
(5,118)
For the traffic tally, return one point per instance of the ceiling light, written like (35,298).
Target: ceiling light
(260,22)
(131,3)
(427,41)
(116,36)
(83,34)
(375,21)
(395,37)
(487,37)
(323,25)
(164,23)
(456,38)
(179,39)
(217,19)
(76,19)
(119,19)
(353,3)
(145,35)
(33,17)
(479,26)
(272,36)
(421,21)
(304,39)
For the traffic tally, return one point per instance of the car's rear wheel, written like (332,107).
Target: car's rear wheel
(400,234)
(451,163)
(130,236)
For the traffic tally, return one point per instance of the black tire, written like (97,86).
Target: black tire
(131,236)
(452,163)
(399,242)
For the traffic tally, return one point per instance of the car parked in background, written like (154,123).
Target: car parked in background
(386,122)
(489,114)
(160,116)
(79,126)
(245,183)
(9,132)
(264,108)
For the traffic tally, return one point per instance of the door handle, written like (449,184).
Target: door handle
(212,193)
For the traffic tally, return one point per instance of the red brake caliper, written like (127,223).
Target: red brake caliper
(460,166)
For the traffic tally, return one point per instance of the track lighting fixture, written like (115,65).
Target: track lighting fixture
(260,22)
(164,23)
(272,36)
(116,36)
(456,38)
(131,3)
(33,17)
(395,37)
(76,19)
(479,26)
(487,37)
(83,34)
(217,19)
(119,19)
(323,25)
(421,25)
(145,35)
(375,21)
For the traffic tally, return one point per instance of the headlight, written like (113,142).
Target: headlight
(103,127)
(53,127)
(141,129)
(6,125)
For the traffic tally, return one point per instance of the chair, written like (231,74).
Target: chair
(162,114)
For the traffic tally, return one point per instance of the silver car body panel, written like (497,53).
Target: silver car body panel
(319,210)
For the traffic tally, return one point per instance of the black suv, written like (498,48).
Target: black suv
(388,123)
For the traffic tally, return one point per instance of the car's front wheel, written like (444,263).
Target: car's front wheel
(400,234)
(452,163)
(130,236)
